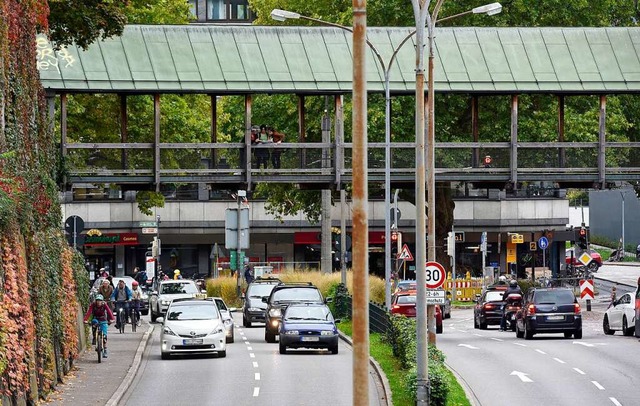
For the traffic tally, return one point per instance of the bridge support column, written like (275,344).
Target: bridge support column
(302,130)
(246,162)
(514,141)
(475,131)
(124,127)
(156,140)
(602,138)
(214,130)
(325,252)
(562,158)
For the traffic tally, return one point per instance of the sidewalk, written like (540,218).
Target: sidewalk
(90,383)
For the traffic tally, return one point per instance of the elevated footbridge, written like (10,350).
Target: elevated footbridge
(316,61)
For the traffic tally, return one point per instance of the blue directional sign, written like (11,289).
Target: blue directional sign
(543,243)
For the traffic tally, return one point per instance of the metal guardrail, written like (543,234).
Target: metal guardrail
(379,318)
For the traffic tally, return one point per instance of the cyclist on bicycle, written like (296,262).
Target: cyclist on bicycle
(136,296)
(121,296)
(100,315)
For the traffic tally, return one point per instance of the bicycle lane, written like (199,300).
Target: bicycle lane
(90,383)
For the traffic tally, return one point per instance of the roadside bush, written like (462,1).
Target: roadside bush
(340,307)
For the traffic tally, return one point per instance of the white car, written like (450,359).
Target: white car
(225,312)
(168,291)
(621,316)
(193,326)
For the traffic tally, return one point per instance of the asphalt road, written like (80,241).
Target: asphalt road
(548,370)
(253,372)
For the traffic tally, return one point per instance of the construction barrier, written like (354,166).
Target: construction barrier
(465,289)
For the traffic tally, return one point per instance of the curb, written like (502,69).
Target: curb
(614,282)
(471,396)
(133,369)
(376,367)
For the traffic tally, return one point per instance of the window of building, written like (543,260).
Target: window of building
(229,10)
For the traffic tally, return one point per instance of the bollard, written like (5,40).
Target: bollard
(588,305)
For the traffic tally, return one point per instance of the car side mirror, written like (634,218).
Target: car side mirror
(328,299)
(337,321)
(265,299)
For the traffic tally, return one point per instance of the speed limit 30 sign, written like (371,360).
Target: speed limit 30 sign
(435,275)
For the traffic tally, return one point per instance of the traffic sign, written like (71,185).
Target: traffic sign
(405,254)
(585,258)
(148,224)
(150,230)
(435,297)
(435,275)
(533,246)
(586,288)
(543,243)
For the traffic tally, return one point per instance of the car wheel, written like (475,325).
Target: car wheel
(483,326)
(568,334)
(269,337)
(334,350)
(593,266)
(230,339)
(282,348)
(519,334)
(528,334)
(475,322)
(222,354)
(164,355)
(245,322)
(605,326)
(626,331)
(578,334)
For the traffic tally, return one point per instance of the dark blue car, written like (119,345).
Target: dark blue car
(308,326)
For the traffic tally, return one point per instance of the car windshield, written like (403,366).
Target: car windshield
(177,288)
(192,312)
(554,297)
(308,313)
(406,299)
(409,285)
(494,296)
(260,289)
(297,294)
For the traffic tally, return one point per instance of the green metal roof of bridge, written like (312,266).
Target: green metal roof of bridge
(266,59)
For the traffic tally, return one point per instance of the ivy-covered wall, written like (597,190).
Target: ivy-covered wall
(42,280)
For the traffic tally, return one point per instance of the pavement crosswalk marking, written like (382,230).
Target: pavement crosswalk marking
(256,391)
(597,385)
(579,371)
(615,401)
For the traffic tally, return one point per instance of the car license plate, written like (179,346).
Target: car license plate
(310,338)
(192,341)
(555,318)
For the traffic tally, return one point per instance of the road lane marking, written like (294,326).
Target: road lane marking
(559,360)
(257,376)
(523,377)
(597,385)
(541,352)
(579,371)
(247,342)
(520,344)
(478,335)
(585,344)
(255,364)
(252,355)
(249,348)
(256,391)
(244,338)
(615,401)
(497,339)
(471,347)
(462,331)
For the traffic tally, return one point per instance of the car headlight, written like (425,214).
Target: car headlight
(292,332)
(144,296)
(326,333)
(275,312)
(228,322)
(217,330)
(165,302)
(167,330)
(254,309)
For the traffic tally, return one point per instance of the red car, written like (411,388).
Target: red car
(593,265)
(404,304)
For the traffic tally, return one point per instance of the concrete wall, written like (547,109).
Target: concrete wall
(605,215)
(511,215)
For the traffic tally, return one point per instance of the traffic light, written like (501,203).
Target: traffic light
(582,240)
(451,244)
(154,246)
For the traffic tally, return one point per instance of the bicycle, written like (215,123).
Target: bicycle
(121,316)
(135,315)
(99,338)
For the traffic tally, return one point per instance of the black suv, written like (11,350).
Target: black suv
(549,310)
(282,296)
(254,309)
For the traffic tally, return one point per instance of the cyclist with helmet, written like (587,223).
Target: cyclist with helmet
(101,316)
(176,274)
(136,296)
(513,288)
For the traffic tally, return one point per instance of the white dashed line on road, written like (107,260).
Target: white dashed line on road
(252,355)
(255,364)
(559,360)
(497,339)
(257,376)
(249,348)
(541,352)
(256,392)
(615,401)
(579,371)
(244,338)
(520,344)
(597,385)
(478,335)
(247,342)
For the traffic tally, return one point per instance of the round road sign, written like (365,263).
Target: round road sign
(435,275)
(543,243)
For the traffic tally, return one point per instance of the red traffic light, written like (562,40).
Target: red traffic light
(394,236)
(583,231)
